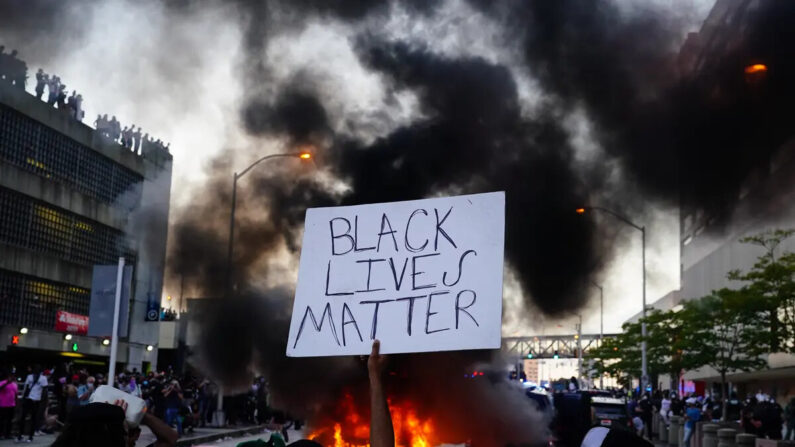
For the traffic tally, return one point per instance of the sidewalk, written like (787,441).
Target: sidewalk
(199,435)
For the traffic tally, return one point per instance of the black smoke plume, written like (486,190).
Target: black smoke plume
(681,135)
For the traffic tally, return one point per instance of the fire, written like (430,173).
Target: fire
(353,430)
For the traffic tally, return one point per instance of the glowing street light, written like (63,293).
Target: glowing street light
(756,68)
(303,155)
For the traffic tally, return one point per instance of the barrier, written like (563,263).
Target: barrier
(726,437)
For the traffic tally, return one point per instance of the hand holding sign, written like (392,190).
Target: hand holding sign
(423,275)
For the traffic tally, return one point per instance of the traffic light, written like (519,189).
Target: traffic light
(74,347)
(15,339)
(555,356)
(530,355)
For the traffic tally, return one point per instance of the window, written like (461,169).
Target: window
(29,145)
(32,302)
(38,226)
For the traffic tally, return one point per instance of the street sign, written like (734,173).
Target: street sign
(422,275)
(72,323)
(103,291)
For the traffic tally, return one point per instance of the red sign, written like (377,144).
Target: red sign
(69,322)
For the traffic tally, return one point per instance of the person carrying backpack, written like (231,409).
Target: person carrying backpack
(35,386)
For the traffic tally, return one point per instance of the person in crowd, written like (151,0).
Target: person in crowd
(733,406)
(72,397)
(124,135)
(789,417)
(173,401)
(83,390)
(133,387)
(41,81)
(263,412)
(60,101)
(79,113)
(53,87)
(104,425)
(116,129)
(665,409)
(3,59)
(70,103)
(16,70)
(35,386)
(136,143)
(677,405)
(645,413)
(8,402)
(692,415)
(769,413)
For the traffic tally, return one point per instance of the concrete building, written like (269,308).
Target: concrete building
(710,247)
(70,199)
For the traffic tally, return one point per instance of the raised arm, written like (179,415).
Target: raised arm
(166,436)
(381,432)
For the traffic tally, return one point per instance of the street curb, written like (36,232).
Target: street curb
(216,436)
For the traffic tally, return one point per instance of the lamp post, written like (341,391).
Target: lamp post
(601,321)
(578,337)
(229,270)
(643,360)
(218,417)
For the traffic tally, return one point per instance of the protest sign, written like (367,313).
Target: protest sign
(421,275)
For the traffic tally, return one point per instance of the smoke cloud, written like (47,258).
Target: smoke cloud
(478,120)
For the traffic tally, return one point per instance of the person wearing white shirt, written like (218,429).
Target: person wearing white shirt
(35,386)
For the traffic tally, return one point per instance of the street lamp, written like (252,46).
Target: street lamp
(601,319)
(218,416)
(303,155)
(644,364)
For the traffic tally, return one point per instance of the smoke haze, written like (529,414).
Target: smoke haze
(561,104)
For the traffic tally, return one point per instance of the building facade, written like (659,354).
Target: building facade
(710,245)
(70,199)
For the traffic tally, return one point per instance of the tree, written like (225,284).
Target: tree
(618,356)
(771,282)
(725,331)
(668,343)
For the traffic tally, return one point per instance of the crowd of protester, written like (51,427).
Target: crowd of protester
(757,414)
(14,71)
(35,401)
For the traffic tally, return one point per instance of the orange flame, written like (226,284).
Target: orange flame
(354,431)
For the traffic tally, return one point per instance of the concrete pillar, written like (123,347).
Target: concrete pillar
(655,424)
(710,438)
(673,432)
(745,440)
(726,437)
(663,431)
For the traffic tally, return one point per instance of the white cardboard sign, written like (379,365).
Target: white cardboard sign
(421,275)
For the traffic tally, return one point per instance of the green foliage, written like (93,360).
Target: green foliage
(728,330)
(771,283)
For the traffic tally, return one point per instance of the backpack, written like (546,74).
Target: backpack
(29,388)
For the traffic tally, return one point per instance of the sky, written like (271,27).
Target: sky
(179,77)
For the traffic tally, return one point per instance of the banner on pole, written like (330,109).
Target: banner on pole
(103,296)
(421,275)
(72,323)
